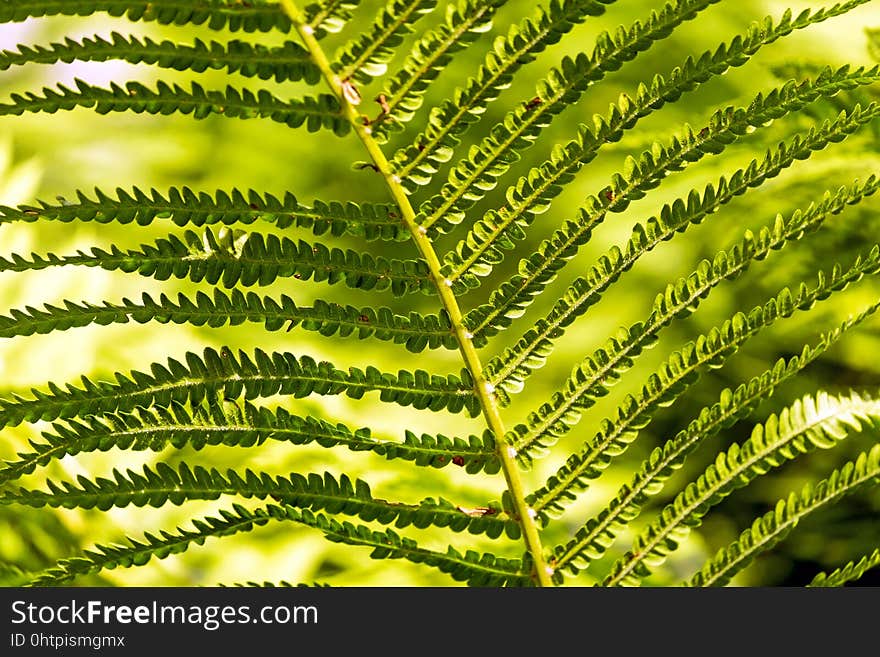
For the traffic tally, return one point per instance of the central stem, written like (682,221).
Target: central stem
(482,387)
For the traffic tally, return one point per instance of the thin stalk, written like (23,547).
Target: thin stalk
(482,387)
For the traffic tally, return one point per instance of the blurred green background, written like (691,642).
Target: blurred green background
(44,156)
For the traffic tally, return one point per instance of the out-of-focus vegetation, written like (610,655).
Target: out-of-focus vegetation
(42,156)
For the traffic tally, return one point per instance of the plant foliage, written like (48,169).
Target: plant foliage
(461,266)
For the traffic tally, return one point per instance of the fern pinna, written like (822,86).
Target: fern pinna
(467,266)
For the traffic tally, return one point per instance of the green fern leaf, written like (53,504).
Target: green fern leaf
(821,422)
(679,300)
(367,56)
(252,16)
(775,525)
(246,426)
(329,16)
(849,573)
(596,374)
(137,553)
(224,374)
(185,207)
(532,194)
(241,399)
(315,113)
(483,248)
(250,259)
(480,170)
(416,332)
(669,382)
(287,62)
(591,541)
(404,92)
(471,567)
(416,164)
(163,484)
(661,90)
(673,218)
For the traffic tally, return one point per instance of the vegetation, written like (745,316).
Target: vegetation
(426,361)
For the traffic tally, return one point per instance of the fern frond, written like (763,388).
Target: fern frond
(287,62)
(329,15)
(532,194)
(251,16)
(663,387)
(819,422)
(515,295)
(416,332)
(239,400)
(775,525)
(250,259)
(471,567)
(679,300)
(736,53)
(417,163)
(476,255)
(164,484)
(225,375)
(477,173)
(185,207)
(591,541)
(367,56)
(233,426)
(137,553)
(596,374)
(403,94)
(314,113)
(849,573)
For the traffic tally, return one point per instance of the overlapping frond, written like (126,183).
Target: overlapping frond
(163,484)
(416,164)
(515,295)
(479,171)
(367,56)
(287,62)
(404,93)
(226,375)
(133,552)
(814,422)
(476,255)
(315,113)
(774,526)
(591,541)
(531,195)
(471,567)
(245,259)
(229,424)
(186,207)
(328,16)
(614,438)
(416,332)
(678,300)
(592,378)
(250,16)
